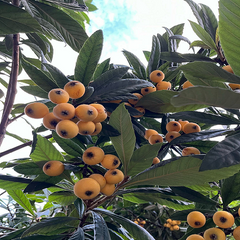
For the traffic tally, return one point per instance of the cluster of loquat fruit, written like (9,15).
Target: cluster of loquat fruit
(65,118)
(224,220)
(89,187)
(174,130)
(173,225)
(140,222)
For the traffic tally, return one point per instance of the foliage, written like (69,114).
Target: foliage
(42,206)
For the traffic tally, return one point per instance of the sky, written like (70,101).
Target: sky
(127,25)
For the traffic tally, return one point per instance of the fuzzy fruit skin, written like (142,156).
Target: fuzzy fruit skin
(53,168)
(172,135)
(236,233)
(149,132)
(190,151)
(58,95)
(196,219)
(36,110)
(64,111)
(50,121)
(187,84)
(86,128)
(85,112)
(155,160)
(114,176)
(239,212)
(214,234)
(223,219)
(102,114)
(110,161)
(195,237)
(156,76)
(228,68)
(108,190)
(75,89)
(163,85)
(140,109)
(93,155)
(191,128)
(183,123)
(234,86)
(173,126)
(86,188)
(147,90)
(98,129)
(134,101)
(99,178)
(153,139)
(67,129)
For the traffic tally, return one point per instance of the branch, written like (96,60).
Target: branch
(8,228)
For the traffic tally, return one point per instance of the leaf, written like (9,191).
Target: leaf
(15,20)
(57,75)
(125,143)
(142,158)
(22,200)
(68,145)
(101,68)
(78,234)
(29,168)
(38,76)
(13,183)
(202,146)
(45,151)
(203,35)
(134,229)
(35,91)
(70,30)
(179,172)
(88,58)
(154,60)
(202,117)
(63,198)
(48,226)
(100,227)
(137,65)
(229,32)
(160,102)
(224,154)
(210,96)
(79,204)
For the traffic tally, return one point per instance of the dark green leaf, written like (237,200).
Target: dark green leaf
(63,198)
(29,168)
(78,203)
(35,91)
(202,146)
(78,234)
(88,58)
(13,183)
(14,234)
(85,98)
(101,68)
(108,130)
(125,143)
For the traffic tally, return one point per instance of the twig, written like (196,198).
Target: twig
(8,228)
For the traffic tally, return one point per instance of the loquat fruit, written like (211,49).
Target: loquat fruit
(149,132)
(191,128)
(86,188)
(99,178)
(85,112)
(183,123)
(93,155)
(140,109)
(114,176)
(169,220)
(64,111)
(36,110)
(234,86)
(75,89)
(195,237)
(228,68)
(163,85)
(175,228)
(67,129)
(173,126)
(110,161)
(108,190)
(50,121)
(196,219)
(155,160)
(102,114)
(156,76)
(239,212)
(223,219)
(172,135)
(187,84)
(98,129)
(146,90)
(134,101)
(127,104)
(58,95)
(53,168)
(214,234)
(236,233)
(155,138)
(190,151)
(86,128)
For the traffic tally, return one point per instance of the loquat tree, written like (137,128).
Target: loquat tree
(123,152)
